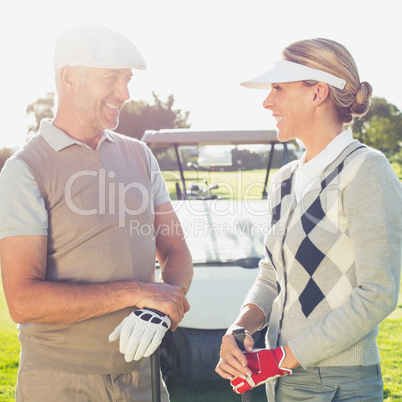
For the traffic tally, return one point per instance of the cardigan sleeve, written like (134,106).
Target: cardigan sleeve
(372,204)
(265,287)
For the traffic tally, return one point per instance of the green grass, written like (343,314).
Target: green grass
(9,352)
(247,184)
(398,169)
(390,344)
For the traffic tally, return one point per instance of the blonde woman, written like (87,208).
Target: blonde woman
(331,270)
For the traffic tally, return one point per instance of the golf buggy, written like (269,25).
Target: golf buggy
(221,204)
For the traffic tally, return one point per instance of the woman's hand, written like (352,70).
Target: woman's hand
(232,362)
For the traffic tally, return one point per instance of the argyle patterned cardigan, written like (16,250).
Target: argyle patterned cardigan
(331,271)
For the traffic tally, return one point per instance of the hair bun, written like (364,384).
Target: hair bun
(362,99)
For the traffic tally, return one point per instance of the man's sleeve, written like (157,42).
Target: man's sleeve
(22,209)
(159,189)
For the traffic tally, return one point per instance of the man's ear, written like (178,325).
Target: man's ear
(69,78)
(321,92)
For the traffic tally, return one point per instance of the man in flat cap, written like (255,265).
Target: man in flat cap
(84,213)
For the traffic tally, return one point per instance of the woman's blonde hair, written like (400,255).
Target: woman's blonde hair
(332,57)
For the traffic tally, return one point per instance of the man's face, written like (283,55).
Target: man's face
(100,96)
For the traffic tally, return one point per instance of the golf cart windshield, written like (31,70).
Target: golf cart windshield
(188,158)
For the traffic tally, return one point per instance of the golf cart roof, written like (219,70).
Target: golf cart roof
(194,137)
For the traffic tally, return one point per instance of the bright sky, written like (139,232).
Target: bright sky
(197,50)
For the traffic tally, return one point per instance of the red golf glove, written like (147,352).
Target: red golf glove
(265,365)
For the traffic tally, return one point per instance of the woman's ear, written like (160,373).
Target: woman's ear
(321,92)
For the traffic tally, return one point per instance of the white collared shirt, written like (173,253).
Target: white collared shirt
(308,172)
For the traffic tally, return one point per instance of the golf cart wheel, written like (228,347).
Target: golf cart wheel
(168,359)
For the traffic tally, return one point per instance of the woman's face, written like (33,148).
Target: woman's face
(291,107)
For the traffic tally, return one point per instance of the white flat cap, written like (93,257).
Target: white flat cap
(96,46)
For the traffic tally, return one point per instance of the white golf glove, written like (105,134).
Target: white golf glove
(141,333)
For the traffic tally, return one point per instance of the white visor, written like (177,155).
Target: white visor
(287,71)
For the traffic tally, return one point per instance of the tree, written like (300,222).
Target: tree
(42,108)
(249,160)
(5,153)
(138,116)
(381,128)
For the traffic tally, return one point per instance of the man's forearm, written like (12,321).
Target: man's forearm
(177,270)
(49,302)
(46,302)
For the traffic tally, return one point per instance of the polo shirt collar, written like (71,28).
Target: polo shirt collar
(59,140)
(329,153)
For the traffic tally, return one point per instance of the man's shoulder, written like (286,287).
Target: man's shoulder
(123,141)
(129,147)
(34,144)
(123,138)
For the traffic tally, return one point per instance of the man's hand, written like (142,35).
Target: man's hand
(141,333)
(265,365)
